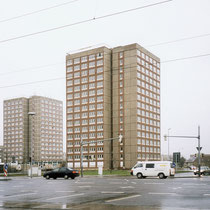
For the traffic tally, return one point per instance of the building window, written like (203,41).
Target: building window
(76,60)
(69,62)
(91,57)
(92,64)
(100,62)
(91,71)
(84,59)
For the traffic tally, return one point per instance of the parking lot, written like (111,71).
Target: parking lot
(105,193)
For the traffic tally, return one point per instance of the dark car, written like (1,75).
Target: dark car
(61,173)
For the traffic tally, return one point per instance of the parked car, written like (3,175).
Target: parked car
(162,169)
(61,173)
(204,170)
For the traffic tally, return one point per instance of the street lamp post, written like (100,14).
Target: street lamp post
(168,144)
(31,146)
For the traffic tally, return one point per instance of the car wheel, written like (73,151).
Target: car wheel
(47,177)
(72,177)
(66,177)
(161,176)
(139,175)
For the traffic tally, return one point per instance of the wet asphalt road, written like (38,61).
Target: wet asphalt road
(105,193)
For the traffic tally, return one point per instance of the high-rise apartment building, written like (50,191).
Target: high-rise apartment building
(16,137)
(112,92)
(136,105)
(88,95)
(43,132)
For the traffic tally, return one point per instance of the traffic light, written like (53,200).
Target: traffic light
(202,155)
(195,155)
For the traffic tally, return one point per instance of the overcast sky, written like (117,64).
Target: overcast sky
(185,86)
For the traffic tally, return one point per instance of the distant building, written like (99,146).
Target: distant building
(45,128)
(112,92)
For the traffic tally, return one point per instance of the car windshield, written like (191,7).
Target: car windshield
(139,165)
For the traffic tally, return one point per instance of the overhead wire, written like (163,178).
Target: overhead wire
(152,45)
(37,11)
(84,21)
(62,78)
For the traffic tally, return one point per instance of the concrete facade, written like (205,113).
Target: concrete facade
(20,128)
(131,106)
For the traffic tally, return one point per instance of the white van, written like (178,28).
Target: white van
(162,169)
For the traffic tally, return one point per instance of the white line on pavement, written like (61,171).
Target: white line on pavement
(116,183)
(206,194)
(64,196)
(133,182)
(109,192)
(64,191)
(153,193)
(86,182)
(83,186)
(9,196)
(153,183)
(118,199)
(127,187)
(192,184)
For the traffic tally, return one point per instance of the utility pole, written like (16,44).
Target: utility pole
(31,114)
(199,153)
(168,144)
(81,141)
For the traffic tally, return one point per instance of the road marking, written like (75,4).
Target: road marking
(9,196)
(64,196)
(116,183)
(18,186)
(87,183)
(206,194)
(107,192)
(84,186)
(175,188)
(153,183)
(153,193)
(127,187)
(192,184)
(133,182)
(118,199)
(64,191)
(1,190)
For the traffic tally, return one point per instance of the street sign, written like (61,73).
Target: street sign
(6,166)
(176,157)
(198,148)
